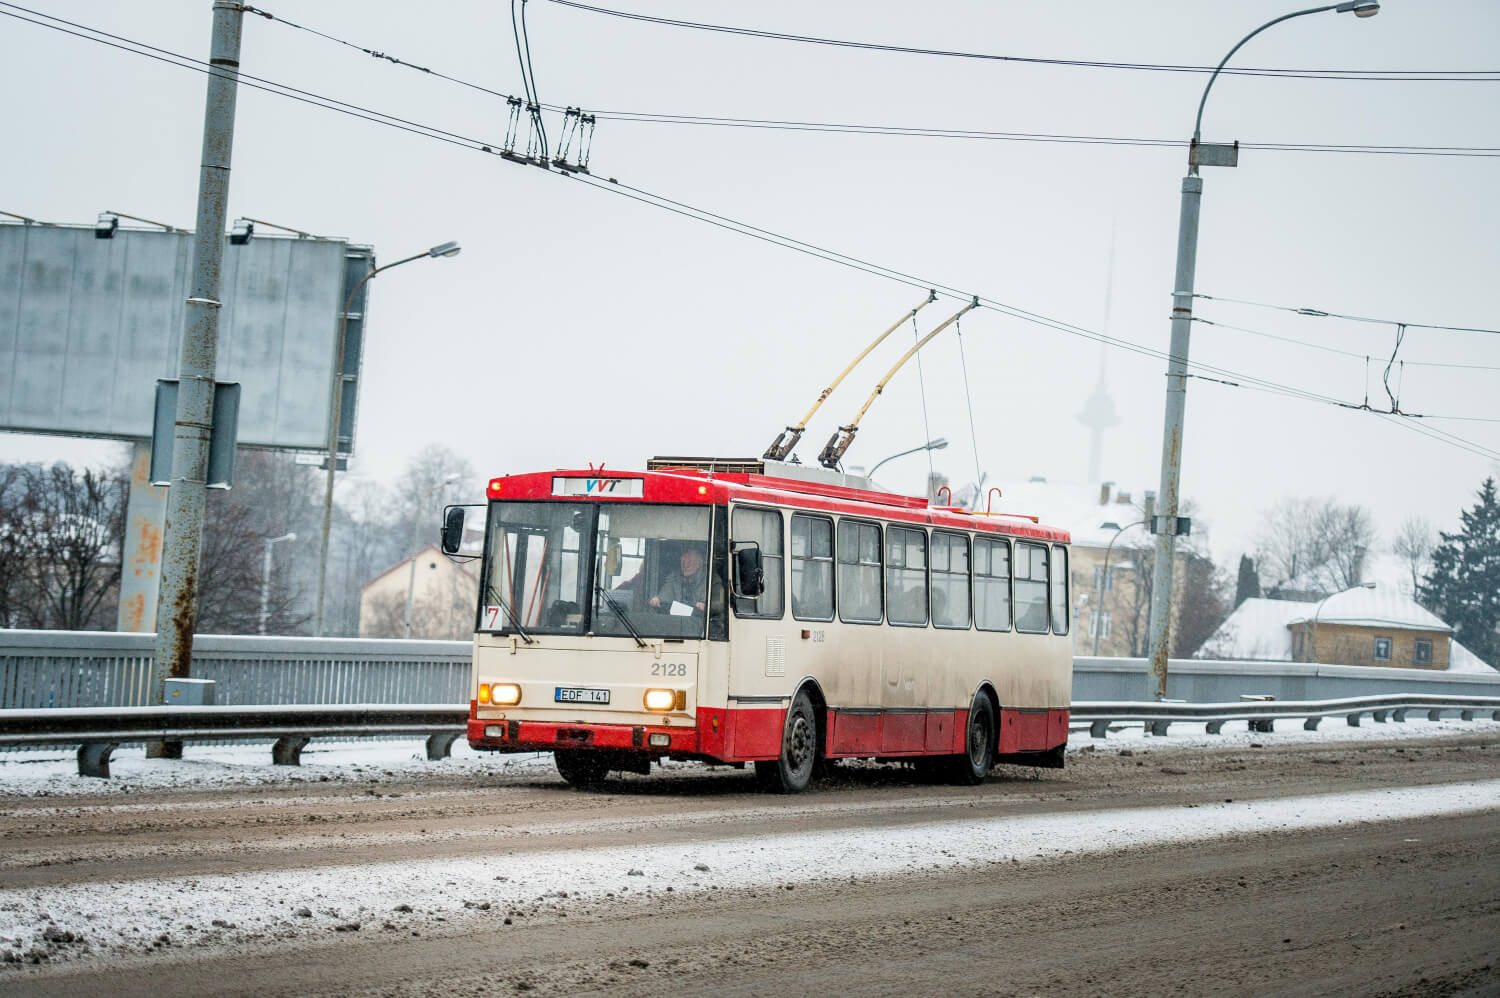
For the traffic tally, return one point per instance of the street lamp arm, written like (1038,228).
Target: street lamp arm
(336,409)
(938,444)
(1198,122)
(1105,574)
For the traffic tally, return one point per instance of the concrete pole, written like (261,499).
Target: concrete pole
(1182,318)
(1160,628)
(145,512)
(177,608)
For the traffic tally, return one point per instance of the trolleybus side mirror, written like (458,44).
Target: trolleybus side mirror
(453,529)
(749,572)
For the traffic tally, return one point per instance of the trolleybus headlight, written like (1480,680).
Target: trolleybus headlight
(501,694)
(660,699)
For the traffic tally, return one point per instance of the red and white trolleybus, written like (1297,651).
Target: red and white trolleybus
(757,612)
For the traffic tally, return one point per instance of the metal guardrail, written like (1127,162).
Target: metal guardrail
(109,669)
(98,731)
(1263,714)
(61,669)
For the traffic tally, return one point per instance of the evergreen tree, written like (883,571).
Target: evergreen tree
(1248,584)
(1463,586)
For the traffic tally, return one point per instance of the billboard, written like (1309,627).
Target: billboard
(88,325)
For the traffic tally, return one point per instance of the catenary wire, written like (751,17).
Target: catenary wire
(742,228)
(1482,75)
(890,130)
(1347,353)
(1319,313)
(1240,379)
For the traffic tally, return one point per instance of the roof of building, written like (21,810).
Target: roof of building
(1460,659)
(1255,631)
(1373,605)
(1258,629)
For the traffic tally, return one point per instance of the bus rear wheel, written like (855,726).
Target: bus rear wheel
(580,767)
(978,757)
(793,771)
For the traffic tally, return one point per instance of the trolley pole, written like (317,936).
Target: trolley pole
(177,607)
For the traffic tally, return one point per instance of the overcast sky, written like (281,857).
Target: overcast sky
(579,326)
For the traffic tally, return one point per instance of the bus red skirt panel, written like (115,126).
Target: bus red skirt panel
(745,734)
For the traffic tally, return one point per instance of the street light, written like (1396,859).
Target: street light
(337,407)
(416,536)
(1104,579)
(265,578)
(937,443)
(1165,526)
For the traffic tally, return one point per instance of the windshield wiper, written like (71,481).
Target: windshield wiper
(510,615)
(619,612)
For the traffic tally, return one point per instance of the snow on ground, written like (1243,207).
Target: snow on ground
(54,773)
(121,918)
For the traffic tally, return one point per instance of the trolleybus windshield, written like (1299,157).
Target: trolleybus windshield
(616,569)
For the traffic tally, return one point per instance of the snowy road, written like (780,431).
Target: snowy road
(469,876)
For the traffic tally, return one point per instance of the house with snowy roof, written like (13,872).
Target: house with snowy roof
(1372,624)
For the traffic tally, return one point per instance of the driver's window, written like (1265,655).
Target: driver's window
(763,528)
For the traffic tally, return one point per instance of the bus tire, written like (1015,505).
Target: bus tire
(793,771)
(580,767)
(974,764)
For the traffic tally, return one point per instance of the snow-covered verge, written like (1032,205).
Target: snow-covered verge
(122,919)
(54,773)
(210,767)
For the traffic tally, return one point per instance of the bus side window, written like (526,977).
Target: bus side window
(950,580)
(906,576)
(812,567)
(1059,590)
(761,527)
(1031,588)
(859,572)
(991,584)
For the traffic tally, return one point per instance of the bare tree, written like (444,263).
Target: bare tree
(273,496)
(366,536)
(421,493)
(1313,546)
(1413,544)
(63,533)
(13,545)
(1349,532)
(1133,590)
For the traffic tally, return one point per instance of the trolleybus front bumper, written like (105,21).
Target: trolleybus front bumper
(547,736)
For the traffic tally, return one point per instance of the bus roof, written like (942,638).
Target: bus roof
(716,486)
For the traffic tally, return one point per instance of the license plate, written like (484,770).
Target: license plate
(575,694)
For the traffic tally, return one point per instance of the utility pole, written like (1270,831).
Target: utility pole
(1168,525)
(177,607)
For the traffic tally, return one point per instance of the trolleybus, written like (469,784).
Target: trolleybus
(756,612)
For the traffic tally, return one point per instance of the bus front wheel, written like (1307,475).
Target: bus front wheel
(580,767)
(793,771)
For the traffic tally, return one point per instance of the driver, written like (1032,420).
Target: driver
(689,587)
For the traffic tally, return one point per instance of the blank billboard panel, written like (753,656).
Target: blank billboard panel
(88,325)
